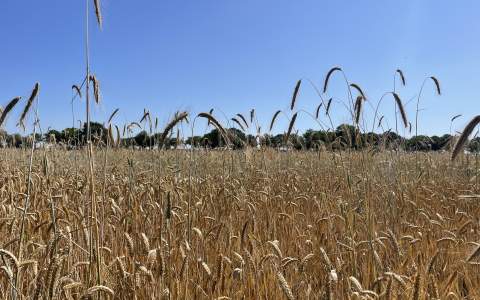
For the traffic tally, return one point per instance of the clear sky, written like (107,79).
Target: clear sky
(234,55)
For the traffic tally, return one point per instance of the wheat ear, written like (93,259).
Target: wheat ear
(27,107)
(462,140)
(8,108)
(327,78)
(295,94)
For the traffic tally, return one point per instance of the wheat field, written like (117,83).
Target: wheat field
(239,225)
(338,211)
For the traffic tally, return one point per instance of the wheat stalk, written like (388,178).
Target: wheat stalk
(402,77)
(96,88)
(178,118)
(317,111)
(403,114)
(99,288)
(274,118)
(380,121)
(77,90)
(214,121)
(290,127)
(358,108)
(98,12)
(437,84)
(287,291)
(27,107)
(357,87)
(327,78)
(437,87)
(8,108)
(146,114)
(243,119)
(295,93)
(462,140)
(112,115)
(475,253)
(329,103)
(455,117)
(238,123)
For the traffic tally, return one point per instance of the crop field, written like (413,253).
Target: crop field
(216,150)
(244,224)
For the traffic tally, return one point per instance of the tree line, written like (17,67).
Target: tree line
(344,137)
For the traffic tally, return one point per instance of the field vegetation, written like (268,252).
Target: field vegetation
(239,224)
(352,210)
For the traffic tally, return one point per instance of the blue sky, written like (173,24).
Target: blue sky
(237,55)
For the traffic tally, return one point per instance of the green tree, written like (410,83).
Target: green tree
(142,139)
(55,134)
(237,138)
(419,143)
(97,131)
(197,141)
(474,145)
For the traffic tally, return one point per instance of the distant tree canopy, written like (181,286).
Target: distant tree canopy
(344,137)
